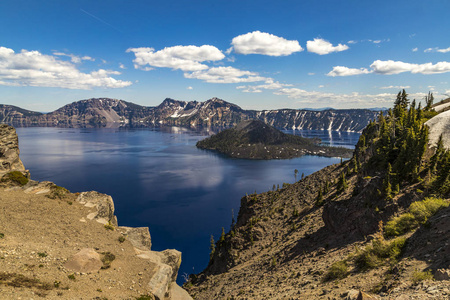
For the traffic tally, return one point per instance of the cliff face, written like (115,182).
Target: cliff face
(75,240)
(211,113)
(9,150)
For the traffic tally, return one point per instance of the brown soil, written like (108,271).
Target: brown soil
(38,234)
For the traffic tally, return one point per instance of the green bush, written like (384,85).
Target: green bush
(419,276)
(419,212)
(380,252)
(15,176)
(338,270)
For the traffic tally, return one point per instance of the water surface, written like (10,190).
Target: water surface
(159,179)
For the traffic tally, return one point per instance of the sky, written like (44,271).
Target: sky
(256,54)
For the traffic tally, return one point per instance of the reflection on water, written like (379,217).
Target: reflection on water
(159,179)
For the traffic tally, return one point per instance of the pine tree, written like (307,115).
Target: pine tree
(387,187)
(212,247)
(319,198)
(342,183)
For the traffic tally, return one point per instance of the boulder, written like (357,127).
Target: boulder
(103,204)
(85,261)
(9,150)
(138,236)
(442,274)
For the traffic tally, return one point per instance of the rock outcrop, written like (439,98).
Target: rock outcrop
(105,112)
(9,150)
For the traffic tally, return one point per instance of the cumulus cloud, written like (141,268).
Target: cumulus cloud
(415,49)
(389,67)
(74,58)
(322,47)
(397,87)
(189,88)
(436,49)
(185,58)
(122,66)
(269,84)
(225,75)
(344,71)
(257,42)
(31,68)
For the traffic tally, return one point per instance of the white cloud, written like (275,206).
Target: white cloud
(377,41)
(342,100)
(270,84)
(225,75)
(389,67)
(122,66)
(74,58)
(436,49)
(321,47)
(415,49)
(352,42)
(185,58)
(311,73)
(31,68)
(257,42)
(397,87)
(321,86)
(344,71)
(189,88)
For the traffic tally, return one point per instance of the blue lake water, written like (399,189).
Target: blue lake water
(159,179)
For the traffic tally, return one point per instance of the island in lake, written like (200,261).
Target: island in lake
(254,139)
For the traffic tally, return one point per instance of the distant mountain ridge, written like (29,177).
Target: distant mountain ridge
(215,112)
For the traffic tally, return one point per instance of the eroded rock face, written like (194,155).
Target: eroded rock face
(9,150)
(103,204)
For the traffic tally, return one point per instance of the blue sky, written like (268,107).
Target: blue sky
(257,54)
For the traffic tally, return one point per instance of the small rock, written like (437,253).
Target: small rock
(442,274)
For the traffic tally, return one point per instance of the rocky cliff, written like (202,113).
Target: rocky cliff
(63,245)
(211,113)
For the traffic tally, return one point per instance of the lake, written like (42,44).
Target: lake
(159,179)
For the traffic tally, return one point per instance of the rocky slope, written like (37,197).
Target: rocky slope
(211,113)
(254,139)
(63,245)
(329,235)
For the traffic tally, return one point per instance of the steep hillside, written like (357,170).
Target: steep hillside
(211,113)
(60,245)
(253,139)
(377,224)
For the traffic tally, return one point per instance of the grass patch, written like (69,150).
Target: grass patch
(2,235)
(145,297)
(71,277)
(16,177)
(121,239)
(42,254)
(338,270)
(21,281)
(418,213)
(109,226)
(419,276)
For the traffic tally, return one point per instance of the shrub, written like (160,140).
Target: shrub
(379,253)
(109,226)
(419,212)
(121,239)
(17,177)
(107,259)
(42,254)
(71,276)
(57,192)
(419,276)
(338,270)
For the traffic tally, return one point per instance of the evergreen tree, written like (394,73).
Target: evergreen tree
(429,101)
(212,247)
(387,187)
(342,183)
